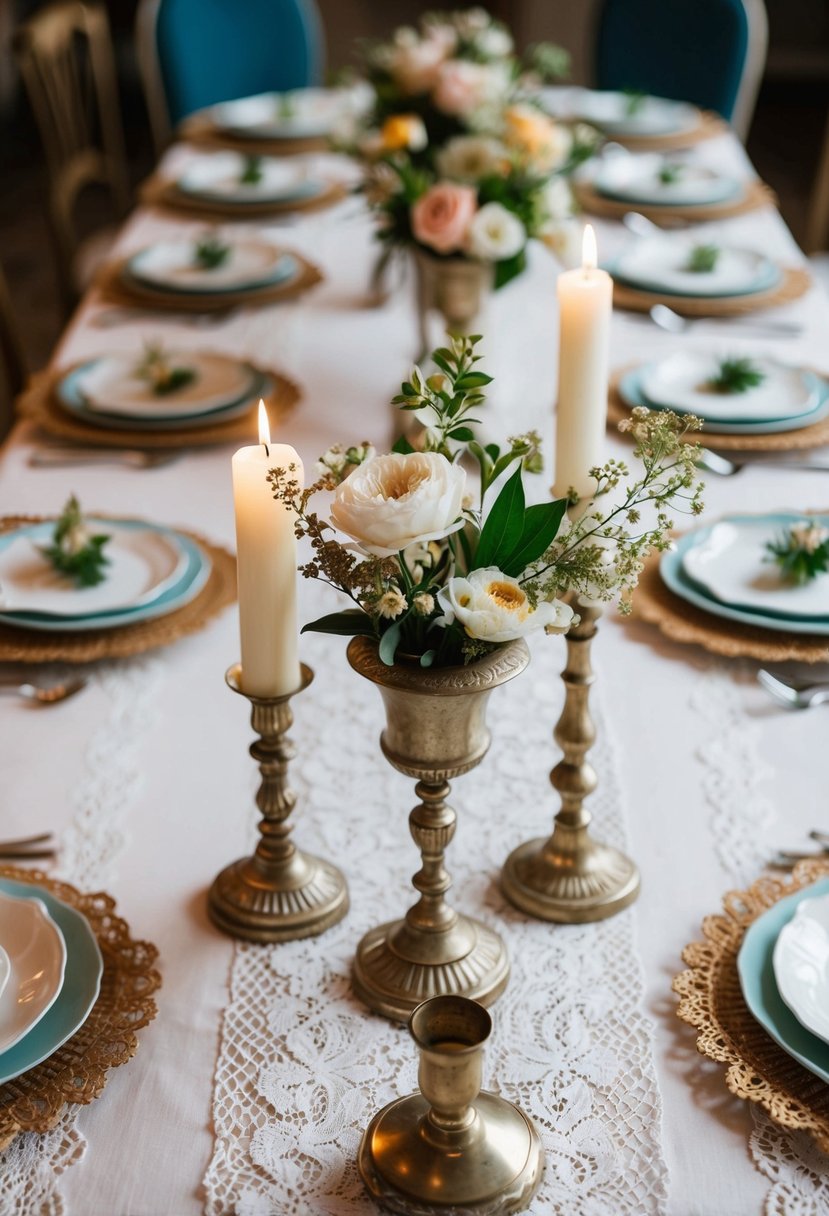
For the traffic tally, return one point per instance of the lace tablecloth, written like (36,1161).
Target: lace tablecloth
(249,1091)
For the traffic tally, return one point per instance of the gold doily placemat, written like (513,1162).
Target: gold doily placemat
(683,622)
(199,129)
(40,404)
(712,1002)
(36,646)
(162,192)
(710,125)
(794,283)
(756,194)
(77,1072)
(118,288)
(814,436)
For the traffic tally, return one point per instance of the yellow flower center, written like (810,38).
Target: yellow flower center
(463,600)
(507,595)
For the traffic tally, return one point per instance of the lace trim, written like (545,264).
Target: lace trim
(735,774)
(31,1167)
(302,1067)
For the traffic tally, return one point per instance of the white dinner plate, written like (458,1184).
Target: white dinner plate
(143,564)
(37,957)
(680,382)
(659,264)
(171,265)
(111,385)
(219,178)
(635,179)
(732,565)
(311,114)
(801,965)
(611,111)
(5,969)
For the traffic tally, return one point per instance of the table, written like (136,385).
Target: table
(147,777)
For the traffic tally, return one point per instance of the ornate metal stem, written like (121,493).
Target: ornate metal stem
(570,877)
(280,893)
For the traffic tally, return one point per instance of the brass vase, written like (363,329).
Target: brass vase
(435,730)
(457,288)
(451,1148)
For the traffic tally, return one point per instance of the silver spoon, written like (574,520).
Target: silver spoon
(133,458)
(669,320)
(43,696)
(714,462)
(791,696)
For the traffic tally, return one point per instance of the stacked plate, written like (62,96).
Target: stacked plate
(50,975)
(786,399)
(783,967)
(300,114)
(219,179)
(109,392)
(623,115)
(659,265)
(152,572)
(652,180)
(171,268)
(725,570)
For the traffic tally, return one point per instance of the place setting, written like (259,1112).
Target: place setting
(642,122)
(235,185)
(157,399)
(86,587)
(700,276)
(669,190)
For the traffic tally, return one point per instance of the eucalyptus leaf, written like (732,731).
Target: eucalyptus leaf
(389,642)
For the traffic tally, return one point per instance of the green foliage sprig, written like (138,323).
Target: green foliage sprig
(157,370)
(802,552)
(75,551)
(252,171)
(703,259)
(634,101)
(670,173)
(211,252)
(737,376)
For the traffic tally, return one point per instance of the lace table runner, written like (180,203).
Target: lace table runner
(302,1066)
(32,1165)
(736,773)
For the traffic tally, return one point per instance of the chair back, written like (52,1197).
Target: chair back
(194,53)
(710,52)
(66,61)
(14,372)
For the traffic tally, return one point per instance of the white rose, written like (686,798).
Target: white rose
(393,501)
(464,87)
(493,607)
(495,233)
(468,158)
(557,200)
(564,240)
(414,65)
(494,42)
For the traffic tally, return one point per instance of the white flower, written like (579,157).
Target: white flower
(557,200)
(494,607)
(808,536)
(494,42)
(424,555)
(565,240)
(393,501)
(391,603)
(424,603)
(495,233)
(414,64)
(463,87)
(468,158)
(339,461)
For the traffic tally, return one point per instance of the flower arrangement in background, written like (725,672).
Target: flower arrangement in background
(441,577)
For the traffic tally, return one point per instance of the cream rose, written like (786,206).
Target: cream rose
(495,233)
(468,158)
(415,66)
(441,216)
(394,501)
(493,607)
(463,87)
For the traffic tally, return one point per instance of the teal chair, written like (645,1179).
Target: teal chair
(194,53)
(710,52)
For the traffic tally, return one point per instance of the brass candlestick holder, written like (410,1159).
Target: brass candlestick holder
(279,894)
(571,878)
(451,1148)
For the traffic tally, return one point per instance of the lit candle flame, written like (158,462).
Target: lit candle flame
(589,255)
(264,426)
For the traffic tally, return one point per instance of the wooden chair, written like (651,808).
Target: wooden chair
(65,58)
(14,372)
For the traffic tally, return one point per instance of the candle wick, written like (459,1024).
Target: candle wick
(267,450)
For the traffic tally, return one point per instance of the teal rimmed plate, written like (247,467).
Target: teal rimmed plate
(81,985)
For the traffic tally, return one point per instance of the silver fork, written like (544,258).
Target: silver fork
(133,458)
(43,696)
(714,462)
(28,848)
(790,695)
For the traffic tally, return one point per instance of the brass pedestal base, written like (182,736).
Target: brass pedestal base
(570,888)
(255,907)
(407,1169)
(397,966)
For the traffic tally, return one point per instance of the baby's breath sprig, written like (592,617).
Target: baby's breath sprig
(802,552)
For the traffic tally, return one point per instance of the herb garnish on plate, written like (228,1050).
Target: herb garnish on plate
(158,370)
(736,376)
(211,252)
(703,259)
(802,552)
(252,171)
(76,551)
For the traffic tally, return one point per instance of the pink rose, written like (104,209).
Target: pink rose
(441,216)
(464,87)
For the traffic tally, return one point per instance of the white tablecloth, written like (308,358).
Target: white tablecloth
(147,771)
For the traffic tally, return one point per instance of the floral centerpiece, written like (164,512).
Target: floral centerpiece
(441,577)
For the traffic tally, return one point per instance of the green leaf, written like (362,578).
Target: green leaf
(427,658)
(402,446)
(346,624)
(473,380)
(504,525)
(462,433)
(389,643)
(493,451)
(483,458)
(541,525)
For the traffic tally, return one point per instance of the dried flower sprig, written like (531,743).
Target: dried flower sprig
(75,551)
(802,552)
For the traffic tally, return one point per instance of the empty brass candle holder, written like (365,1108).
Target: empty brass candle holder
(451,1148)
(570,877)
(279,894)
